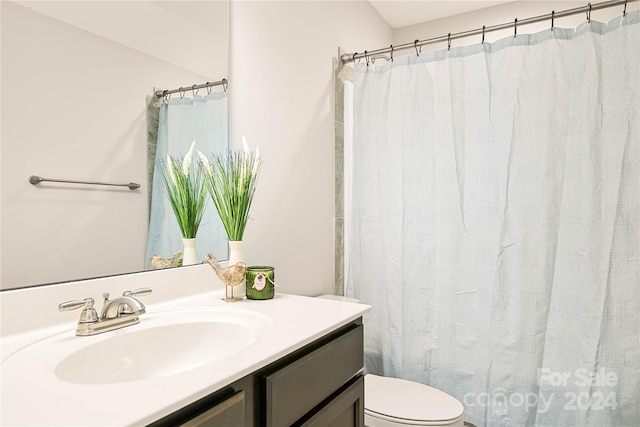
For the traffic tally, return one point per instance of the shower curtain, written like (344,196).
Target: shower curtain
(172,126)
(495,224)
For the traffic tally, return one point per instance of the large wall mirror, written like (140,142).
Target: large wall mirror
(75,76)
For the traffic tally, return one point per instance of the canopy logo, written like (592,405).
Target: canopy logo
(580,390)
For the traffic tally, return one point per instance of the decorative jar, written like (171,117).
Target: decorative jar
(260,282)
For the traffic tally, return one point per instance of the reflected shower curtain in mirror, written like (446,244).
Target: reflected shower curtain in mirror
(495,224)
(180,121)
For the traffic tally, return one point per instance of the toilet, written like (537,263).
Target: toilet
(394,402)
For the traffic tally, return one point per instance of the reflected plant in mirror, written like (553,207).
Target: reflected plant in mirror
(180,122)
(185,188)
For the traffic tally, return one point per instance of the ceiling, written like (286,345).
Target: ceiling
(402,13)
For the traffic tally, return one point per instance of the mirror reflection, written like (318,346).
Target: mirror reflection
(76,82)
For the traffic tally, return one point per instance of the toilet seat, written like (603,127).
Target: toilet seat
(401,402)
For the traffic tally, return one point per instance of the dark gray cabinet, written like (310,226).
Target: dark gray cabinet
(318,385)
(295,389)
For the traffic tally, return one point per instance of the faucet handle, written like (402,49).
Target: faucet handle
(88,315)
(133,294)
(137,293)
(72,305)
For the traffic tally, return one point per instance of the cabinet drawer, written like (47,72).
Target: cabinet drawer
(345,410)
(229,413)
(299,387)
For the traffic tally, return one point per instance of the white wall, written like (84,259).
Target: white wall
(73,106)
(282,100)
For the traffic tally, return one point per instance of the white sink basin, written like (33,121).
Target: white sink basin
(162,344)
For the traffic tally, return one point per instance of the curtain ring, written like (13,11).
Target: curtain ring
(515,28)
(483,34)
(225,84)
(182,92)
(415,45)
(166,96)
(391,53)
(194,91)
(449,42)
(589,14)
(209,88)
(553,13)
(366,58)
(624,11)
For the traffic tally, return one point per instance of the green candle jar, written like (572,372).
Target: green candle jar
(260,282)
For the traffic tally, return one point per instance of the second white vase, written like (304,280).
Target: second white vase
(189,256)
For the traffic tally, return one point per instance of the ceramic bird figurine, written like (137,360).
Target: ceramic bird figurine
(232,275)
(158,262)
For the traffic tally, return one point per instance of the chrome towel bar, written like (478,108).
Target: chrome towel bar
(35,179)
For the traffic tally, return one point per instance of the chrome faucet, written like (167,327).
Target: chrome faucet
(117,313)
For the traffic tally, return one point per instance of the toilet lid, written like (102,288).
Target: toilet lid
(408,400)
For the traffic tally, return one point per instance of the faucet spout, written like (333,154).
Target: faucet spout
(125,304)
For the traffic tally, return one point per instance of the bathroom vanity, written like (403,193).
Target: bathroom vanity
(318,385)
(193,360)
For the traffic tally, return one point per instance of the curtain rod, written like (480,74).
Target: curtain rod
(351,57)
(161,93)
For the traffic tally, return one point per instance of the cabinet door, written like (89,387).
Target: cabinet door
(293,391)
(229,413)
(345,410)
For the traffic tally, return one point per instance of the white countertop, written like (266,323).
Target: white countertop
(42,399)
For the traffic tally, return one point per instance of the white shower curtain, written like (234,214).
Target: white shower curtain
(495,224)
(182,120)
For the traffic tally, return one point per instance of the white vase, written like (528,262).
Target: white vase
(189,256)
(235,256)
(235,252)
